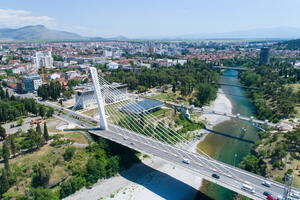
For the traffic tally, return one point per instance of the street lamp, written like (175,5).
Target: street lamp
(235,155)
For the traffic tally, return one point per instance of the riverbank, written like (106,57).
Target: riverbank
(154,178)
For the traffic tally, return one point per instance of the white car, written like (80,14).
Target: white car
(294,195)
(186,161)
(279,197)
(266,183)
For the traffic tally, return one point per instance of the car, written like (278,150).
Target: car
(186,161)
(225,113)
(132,143)
(215,176)
(279,197)
(266,183)
(267,193)
(124,138)
(270,197)
(294,195)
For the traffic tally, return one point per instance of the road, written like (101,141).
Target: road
(230,177)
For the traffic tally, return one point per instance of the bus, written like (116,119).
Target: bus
(248,188)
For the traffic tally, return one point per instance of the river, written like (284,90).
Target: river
(229,149)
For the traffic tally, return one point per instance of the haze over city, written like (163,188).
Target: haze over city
(150,19)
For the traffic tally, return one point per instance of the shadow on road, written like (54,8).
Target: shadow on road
(162,184)
(230,136)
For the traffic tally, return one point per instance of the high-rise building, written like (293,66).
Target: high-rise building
(264,55)
(43,59)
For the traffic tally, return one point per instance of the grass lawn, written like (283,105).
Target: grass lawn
(77,137)
(160,112)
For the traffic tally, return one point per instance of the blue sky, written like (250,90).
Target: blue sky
(140,18)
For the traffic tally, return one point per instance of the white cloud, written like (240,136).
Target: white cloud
(17,18)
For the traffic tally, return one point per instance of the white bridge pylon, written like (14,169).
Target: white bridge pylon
(99,98)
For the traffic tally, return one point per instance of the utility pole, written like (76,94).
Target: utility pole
(235,155)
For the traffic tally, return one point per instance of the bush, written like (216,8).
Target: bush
(72,185)
(69,153)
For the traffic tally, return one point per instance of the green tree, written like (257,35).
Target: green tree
(42,175)
(42,111)
(43,194)
(5,154)
(20,122)
(4,183)
(2,132)
(46,135)
(69,153)
(50,112)
(38,129)
(12,144)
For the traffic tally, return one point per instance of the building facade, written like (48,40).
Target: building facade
(85,96)
(264,55)
(31,82)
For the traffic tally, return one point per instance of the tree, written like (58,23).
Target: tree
(5,154)
(46,135)
(43,194)
(4,181)
(38,129)
(12,145)
(70,151)
(42,175)
(42,111)
(60,102)
(50,112)
(20,122)
(2,132)
(7,94)
(34,139)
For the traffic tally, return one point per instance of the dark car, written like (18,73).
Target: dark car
(215,176)
(267,193)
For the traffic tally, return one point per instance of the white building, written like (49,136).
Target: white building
(43,59)
(54,76)
(112,65)
(86,98)
(72,74)
(107,54)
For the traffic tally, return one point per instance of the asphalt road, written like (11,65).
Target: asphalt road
(230,177)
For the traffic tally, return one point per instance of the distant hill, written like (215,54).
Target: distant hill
(38,32)
(266,33)
(290,44)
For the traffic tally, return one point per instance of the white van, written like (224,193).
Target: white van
(248,188)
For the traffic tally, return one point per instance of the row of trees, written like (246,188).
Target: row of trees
(54,90)
(12,108)
(193,77)
(273,100)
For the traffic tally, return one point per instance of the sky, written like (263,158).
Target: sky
(149,18)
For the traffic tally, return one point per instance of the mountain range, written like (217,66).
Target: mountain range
(40,32)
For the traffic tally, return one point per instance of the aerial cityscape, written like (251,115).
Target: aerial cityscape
(138,100)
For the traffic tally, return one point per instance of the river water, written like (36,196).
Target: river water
(232,147)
